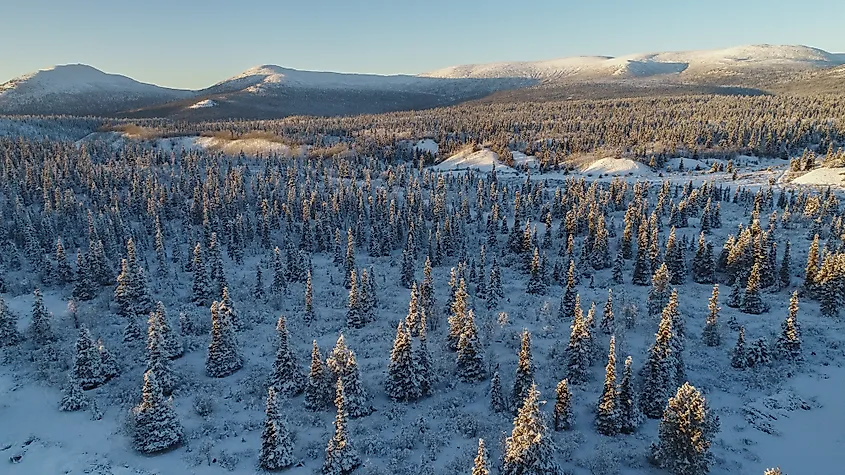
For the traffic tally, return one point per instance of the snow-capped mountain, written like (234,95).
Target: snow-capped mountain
(719,64)
(79,89)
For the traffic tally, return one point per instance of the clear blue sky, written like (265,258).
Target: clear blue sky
(193,44)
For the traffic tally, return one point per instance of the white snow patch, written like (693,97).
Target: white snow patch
(523,160)
(822,177)
(617,166)
(203,104)
(483,160)
(427,145)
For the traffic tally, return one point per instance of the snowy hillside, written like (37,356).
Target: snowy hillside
(55,89)
(689,63)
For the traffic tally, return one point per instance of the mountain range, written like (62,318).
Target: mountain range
(270,91)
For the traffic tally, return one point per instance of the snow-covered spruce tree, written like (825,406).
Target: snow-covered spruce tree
(658,294)
(735,297)
(498,403)
(122,293)
(422,361)
(73,399)
(228,307)
(567,302)
(318,385)
(63,270)
(343,364)
(675,260)
(758,353)
(201,290)
(401,384)
(481,465)
(578,350)
(601,249)
(276,444)
(156,425)
(788,344)
(608,323)
(470,359)
(785,271)
(529,450)
(414,317)
(354,317)
(141,299)
(158,361)
(341,457)
(658,373)
(132,332)
(751,301)
(536,282)
(618,268)
(277,287)
(524,378)
(562,416)
(171,341)
(607,410)
(40,329)
(703,265)
(83,285)
(406,272)
(812,268)
(685,434)
(427,298)
(86,362)
(9,334)
(223,358)
(287,378)
(710,335)
(308,315)
(457,319)
(349,262)
(642,266)
(258,287)
(739,356)
(108,365)
(630,416)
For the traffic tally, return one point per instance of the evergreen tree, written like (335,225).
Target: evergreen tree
(495,293)
(812,267)
(567,303)
(607,412)
(608,323)
(578,350)
(470,359)
(341,456)
(83,286)
(73,399)
(228,307)
(172,344)
(498,403)
(457,319)
(735,297)
(276,444)
(675,260)
(8,326)
(63,269)
(422,362)
(710,334)
(86,363)
(345,367)
(658,374)
(788,344)
(758,353)
(703,265)
(308,317)
(354,317)
(751,301)
(784,274)
(685,434)
(108,365)
(40,329)
(563,406)
(349,263)
(318,386)
(658,295)
(618,268)
(201,290)
(739,357)
(156,425)
(258,288)
(223,358)
(537,282)
(481,466)
(279,283)
(529,450)
(402,384)
(629,410)
(287,378)
(158,361)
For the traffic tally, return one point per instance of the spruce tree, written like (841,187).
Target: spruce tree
(172,344)
(735,297)
(470,359)
(344,365)
(562,416)
(423,363)
(675,260)
(608,323)
(223,358)
(258,287)
(9,334)
(158,361)
(751,301)
(739,357)
(658,295)
(40,329)
(63,269)
(287,378)
(630,416)
(658,373)
(785,271)
(308,315)
(318,386)
(710,334)
(402,384)
(618,268)
(481,466)
(83,285)
(341,456)
(685,434)
(703,266)
(108,365)
(277,287)
(529,450)
(524,369)
(567,303)
(354,317)
(457,319)
(578,350)
(788,344)
(201,290)
(498,403)
(86,362)
(276,444)
(607,411)
(156,425)
(812,267)
(73,399)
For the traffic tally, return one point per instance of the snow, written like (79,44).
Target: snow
(427,145)
(651,64)
(483,160)
(205,103)
(822,177)
(523,160)
(617,167)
